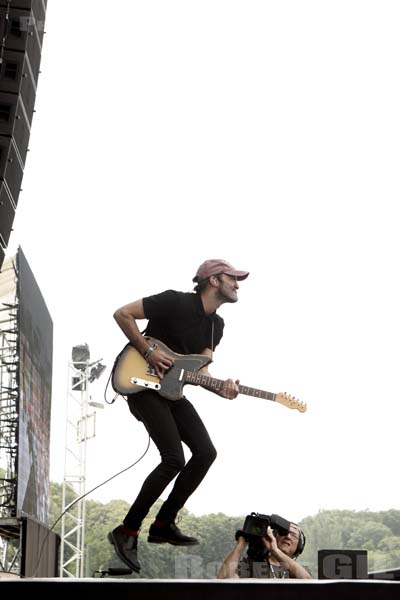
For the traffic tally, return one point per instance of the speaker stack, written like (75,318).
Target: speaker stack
(21,39)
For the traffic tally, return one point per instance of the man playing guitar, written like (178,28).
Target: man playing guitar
(188,324)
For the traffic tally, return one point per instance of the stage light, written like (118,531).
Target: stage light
(80,356)
(96,371)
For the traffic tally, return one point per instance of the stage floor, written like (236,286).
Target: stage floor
(204,589)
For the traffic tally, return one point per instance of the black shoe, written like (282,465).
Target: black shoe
(169,533)
(125,547)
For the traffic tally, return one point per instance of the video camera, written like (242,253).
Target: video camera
(255,528)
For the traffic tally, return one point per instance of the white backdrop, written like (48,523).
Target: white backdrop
(264,133)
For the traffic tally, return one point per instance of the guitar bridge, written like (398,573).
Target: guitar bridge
(145,384)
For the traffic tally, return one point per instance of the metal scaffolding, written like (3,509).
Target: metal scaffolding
(9,403)
(80,427)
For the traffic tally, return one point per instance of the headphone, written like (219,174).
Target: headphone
(300,545)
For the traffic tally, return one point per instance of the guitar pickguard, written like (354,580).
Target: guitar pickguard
(151,371)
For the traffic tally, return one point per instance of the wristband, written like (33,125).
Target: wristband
(149,350)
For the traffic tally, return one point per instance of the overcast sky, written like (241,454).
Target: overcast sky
(264,133)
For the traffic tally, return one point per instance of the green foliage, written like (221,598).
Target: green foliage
(215,533)
(376,532)
(55,506)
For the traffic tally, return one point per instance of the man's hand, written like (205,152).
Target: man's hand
(296,571)
(161,361)
(230,389)
(269,541)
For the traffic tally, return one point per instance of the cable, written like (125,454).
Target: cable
(105,390)
(106,481)
(71,504)
(113,571)
(108,383)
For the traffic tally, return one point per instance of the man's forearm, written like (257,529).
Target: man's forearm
(228,569)
(130,328)
(296,571)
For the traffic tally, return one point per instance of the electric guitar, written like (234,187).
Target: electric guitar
(132,373)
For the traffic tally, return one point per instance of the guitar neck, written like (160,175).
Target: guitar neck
(215,385)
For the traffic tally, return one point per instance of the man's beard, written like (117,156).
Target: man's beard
(231,299)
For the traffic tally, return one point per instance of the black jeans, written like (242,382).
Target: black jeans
(170,423)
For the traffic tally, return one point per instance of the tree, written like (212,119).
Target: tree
(376,532)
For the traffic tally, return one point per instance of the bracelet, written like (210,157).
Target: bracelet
(149,350)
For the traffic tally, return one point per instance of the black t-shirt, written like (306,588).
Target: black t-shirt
(178,319)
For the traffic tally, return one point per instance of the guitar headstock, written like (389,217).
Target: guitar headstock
(290,402)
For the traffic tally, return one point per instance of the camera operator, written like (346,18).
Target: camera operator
(274,557)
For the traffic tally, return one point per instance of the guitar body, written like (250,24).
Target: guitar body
(132,373)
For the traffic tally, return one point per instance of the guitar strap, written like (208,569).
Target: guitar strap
(212,338)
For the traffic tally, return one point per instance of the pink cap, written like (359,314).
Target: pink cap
(216,266)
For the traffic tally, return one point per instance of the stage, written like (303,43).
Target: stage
(200,589)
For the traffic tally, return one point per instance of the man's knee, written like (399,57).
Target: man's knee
(212,454)
(174,461)
(208,455)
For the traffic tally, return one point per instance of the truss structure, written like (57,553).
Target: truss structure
(80,427)
(9,406)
